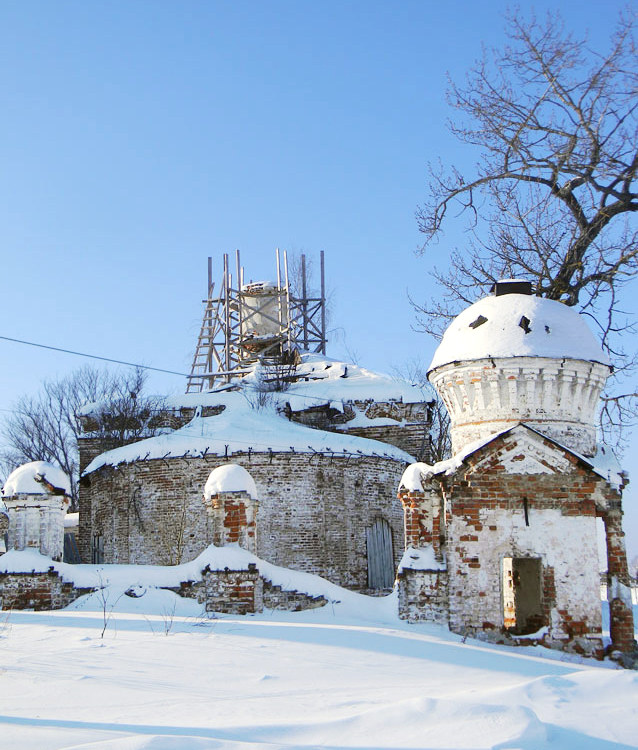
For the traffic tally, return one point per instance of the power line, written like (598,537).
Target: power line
(245,386)
(94,356)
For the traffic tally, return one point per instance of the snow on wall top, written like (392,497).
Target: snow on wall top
(420,559)
(322,378)
(240,428)
(231,557)
(230,478)
(517,325)
(22,480)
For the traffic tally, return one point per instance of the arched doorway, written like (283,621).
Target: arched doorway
(380,555)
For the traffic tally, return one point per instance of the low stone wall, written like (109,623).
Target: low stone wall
(38,591)
(236,592)
(241,592)
(290,601)
(410,433)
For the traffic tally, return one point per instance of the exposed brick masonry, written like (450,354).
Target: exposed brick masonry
(314,510)
(495,512)
(39,591)
(621,620)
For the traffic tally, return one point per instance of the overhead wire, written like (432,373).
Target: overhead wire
(93,356)
(247,386)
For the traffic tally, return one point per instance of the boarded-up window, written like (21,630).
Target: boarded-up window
(380,556)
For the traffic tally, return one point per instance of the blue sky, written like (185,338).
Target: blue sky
(137,138)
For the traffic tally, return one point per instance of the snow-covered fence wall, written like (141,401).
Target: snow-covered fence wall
(38,591)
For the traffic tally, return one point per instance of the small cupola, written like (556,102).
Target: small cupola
(514,357)
(36,496)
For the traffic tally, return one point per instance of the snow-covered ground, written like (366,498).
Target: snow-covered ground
(349,675)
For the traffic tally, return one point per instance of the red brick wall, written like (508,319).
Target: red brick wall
(621,619)
(38,591)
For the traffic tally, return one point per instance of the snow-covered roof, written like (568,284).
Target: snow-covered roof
(604,463)
(230,478)
(518,325)
(241,427)
(320,380)
(23,479)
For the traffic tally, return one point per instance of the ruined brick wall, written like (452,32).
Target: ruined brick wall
(243,592)
(233,516)
(423,520)
(410,433)
(38,591)
(621,619)
(423,596)
(276,597)
(412,438)
(495,513)
(90,447)
(236,592)
(313,510)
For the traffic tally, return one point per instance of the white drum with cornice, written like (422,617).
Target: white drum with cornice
(512,357)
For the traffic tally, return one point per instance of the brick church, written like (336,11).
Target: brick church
(500,540)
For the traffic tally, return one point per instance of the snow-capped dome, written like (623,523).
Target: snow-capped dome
(230,478)
(22,480)
(518,325)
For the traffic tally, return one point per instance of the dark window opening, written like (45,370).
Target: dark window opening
(512,286)
(71,551)
(524,324)
(478,322)
(97,549)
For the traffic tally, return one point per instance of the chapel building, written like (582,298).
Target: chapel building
(501,539)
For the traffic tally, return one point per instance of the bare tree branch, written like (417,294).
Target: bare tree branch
(46,427)
(554,195)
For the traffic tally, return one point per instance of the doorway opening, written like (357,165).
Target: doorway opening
(523,595)
(380,555)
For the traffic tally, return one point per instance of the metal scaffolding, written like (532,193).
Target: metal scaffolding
(261,322)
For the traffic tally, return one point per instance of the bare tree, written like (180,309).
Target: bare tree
(45,427)
(554,194)
(313,278)
(440,440)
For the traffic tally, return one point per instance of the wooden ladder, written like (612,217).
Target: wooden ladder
(203,358)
